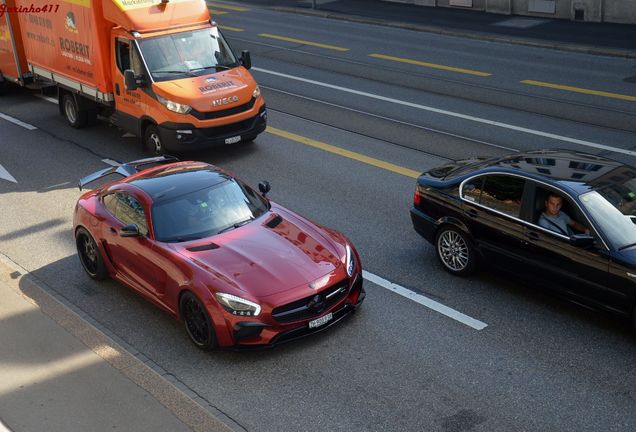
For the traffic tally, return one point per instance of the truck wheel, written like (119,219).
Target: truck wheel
(152,140)
(74,116)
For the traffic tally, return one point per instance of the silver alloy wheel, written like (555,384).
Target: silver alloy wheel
(453,250)
(69,110)
(155,142)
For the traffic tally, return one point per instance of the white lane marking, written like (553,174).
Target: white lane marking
(425,301)
(3,427)
(48,99)
(18,122)
(5,175)
(111,162)
(57,185)
(453,114)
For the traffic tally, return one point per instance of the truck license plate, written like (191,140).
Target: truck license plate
(232,140)
(321,321)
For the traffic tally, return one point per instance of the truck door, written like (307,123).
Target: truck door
(128,104)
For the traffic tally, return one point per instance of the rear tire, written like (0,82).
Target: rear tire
(197,321)
(455,251)
(75,117)
(89,255)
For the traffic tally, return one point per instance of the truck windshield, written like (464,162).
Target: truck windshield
(186,54)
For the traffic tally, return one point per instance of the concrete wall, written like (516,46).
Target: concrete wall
(617,11)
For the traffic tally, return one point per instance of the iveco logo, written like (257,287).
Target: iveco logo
(224,101)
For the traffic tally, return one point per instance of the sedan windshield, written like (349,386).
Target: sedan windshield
(206,212)
(184,54)
(614,210)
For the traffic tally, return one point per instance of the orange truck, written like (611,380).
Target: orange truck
(160,69)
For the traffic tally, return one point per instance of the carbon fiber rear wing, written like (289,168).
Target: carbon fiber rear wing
(126,169)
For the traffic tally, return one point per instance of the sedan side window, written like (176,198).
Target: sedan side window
(503,193)
(110,202)
(130,211)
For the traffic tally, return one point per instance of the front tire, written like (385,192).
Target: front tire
(89,255)
(197,321)
(152,140)
(455,251)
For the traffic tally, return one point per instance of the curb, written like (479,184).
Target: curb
(536,43)
(170,393)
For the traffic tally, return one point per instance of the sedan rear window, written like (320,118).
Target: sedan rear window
(498,192)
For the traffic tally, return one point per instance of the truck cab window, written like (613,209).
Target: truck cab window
(123,54)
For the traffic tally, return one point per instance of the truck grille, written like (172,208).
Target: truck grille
(223,113)
(311,306)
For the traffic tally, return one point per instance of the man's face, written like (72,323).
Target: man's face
(553,205)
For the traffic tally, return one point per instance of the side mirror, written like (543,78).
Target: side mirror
(130,231)
(246,59)
(582,240)
(264,187)
(132,81)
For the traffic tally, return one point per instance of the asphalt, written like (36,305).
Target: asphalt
(618,40)
(60,373)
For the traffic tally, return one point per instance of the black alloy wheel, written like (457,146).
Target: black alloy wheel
(89,255)
(197,322)
(152,140)
(74,116)
(455,251)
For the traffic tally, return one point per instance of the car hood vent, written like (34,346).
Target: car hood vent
(273,222)
(203,247)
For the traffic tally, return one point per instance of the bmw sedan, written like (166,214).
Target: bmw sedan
(238,269)
(564,219)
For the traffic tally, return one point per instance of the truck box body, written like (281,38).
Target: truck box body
(12,59)
(189,89)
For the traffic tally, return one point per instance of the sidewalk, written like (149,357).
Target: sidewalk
(59,373)
(585,37)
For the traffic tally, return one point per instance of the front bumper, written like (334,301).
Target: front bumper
(183,137)
(253,335)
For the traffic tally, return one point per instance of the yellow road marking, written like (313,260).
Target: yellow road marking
(236,29)
(581,90)
(217,12)
(228,7)
(430,65)
(345,153)
(319,45)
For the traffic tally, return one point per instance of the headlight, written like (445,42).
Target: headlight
(256,93)
(237,305)
(174,106)
(350,261)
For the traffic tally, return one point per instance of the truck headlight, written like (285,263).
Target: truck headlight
(174,106)
(237,305)
(256,93)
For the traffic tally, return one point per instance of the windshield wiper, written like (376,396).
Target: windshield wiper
(173,72)
(626,246)
(183,239)
(236,225)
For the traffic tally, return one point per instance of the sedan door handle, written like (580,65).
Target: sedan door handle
(532,235)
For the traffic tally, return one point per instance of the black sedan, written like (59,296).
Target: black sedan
(564,219)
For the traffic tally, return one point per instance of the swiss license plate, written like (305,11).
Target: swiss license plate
(232,140)
(321,321)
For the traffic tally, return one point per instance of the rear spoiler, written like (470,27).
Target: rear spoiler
(126,169)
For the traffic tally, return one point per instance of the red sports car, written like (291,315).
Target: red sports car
(238,269)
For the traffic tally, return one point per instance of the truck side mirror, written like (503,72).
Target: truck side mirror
(246,59)
(132,81)
(264,187)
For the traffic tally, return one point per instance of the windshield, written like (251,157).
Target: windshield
(184,54)
(614,210)
(206,212)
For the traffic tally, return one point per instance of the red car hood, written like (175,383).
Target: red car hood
(262,260)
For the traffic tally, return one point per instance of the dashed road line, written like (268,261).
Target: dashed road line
(431,65)
(580,90)
(228,7)
(425,301)
(304,42)
(17,122)
(234,29)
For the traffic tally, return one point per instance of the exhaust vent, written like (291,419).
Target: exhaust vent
(273,223)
